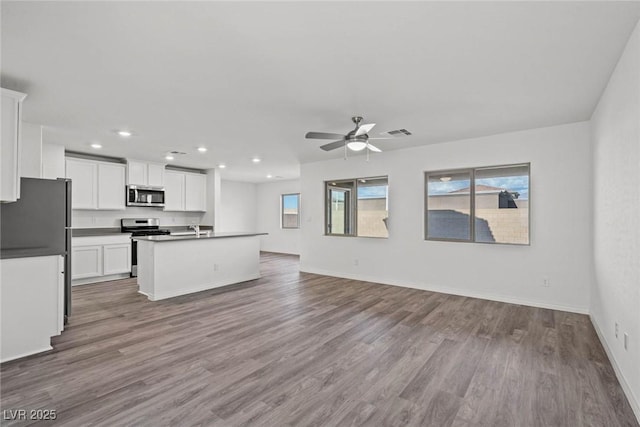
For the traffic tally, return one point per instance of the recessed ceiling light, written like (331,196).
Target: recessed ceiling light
(222,166)
(169,157)
(202,149)
(256,160)
(96,146)
(124,133)
(269,176)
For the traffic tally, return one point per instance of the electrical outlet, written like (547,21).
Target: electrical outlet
(626,341)
(215,267)
(356,262)
(617,329)
(546,282)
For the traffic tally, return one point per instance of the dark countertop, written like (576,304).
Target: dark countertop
(169,238)
(109,231)
(29,252)
(86,232)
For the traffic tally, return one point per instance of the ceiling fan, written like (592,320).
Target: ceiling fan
(356,140)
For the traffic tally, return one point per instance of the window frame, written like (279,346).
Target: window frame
(472,204)
(282,196)
(353,205)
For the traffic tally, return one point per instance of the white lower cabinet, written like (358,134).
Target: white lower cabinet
(100,258)
(86,261)
(116,259)
(32,305)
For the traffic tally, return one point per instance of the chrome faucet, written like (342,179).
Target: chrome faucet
(196,228)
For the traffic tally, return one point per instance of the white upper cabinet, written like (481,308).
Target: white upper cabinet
(84,183)
(111,191)
(96,185)
(155,174)
(185,191)
(195,194)
(143,173)
(174,191)
(10,145)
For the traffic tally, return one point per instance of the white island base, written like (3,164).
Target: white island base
(169,266)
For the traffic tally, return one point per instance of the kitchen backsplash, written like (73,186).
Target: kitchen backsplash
(90,219)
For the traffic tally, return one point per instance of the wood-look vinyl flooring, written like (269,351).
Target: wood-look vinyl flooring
(308,350)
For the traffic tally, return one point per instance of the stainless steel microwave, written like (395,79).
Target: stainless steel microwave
(138,195)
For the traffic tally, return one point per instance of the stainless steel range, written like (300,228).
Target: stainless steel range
(140,227)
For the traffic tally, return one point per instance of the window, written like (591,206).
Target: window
(290,208)
(357,207)
(496,198)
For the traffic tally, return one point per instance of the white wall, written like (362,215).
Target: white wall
(31,151)
(91,219)
(616,174)
(52,161)
(284,240)
(560,222)
(237,207)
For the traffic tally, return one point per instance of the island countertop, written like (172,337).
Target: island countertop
(203,235)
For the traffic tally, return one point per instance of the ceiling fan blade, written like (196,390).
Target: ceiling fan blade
(323,135)
(363,129)
(373,148)
(333,145)
(386,137)
(397,133)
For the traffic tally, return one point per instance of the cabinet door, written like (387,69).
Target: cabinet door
(155,174)
(173,191)
(117,259)
(137,173)
(86,262)
(10,145)
(111,187)
(84,185)
(195,192)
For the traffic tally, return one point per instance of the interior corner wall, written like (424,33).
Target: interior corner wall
(616,204)
(238,208)
(560,194)
(278,239)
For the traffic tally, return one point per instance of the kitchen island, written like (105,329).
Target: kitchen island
(170,265)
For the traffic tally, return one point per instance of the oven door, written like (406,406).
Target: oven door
(134,258)
(145,196)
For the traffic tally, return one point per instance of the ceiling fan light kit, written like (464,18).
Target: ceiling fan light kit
(357,139)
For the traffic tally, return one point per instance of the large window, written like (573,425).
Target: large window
(485,205)
(357,207)
(290,208)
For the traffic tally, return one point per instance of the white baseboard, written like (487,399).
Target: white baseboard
(451,291)
(91,280)
(30,353)
(633,400)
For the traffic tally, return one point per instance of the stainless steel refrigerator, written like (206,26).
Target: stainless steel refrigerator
(40,223)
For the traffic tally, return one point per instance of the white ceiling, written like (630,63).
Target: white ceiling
(250,79)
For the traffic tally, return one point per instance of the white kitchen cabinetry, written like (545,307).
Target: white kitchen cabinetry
(86,261)
(100,258)
(84,183)
(143,173)
(96,185)
(173,191)
(195,193)
(185,191)
(10,145)
(116,259)
(32,305)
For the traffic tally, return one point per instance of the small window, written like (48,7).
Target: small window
(496,198)
(357,207)
(290,208)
